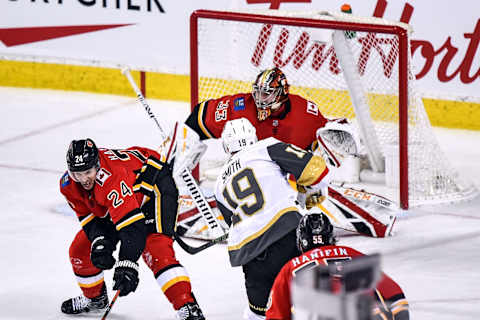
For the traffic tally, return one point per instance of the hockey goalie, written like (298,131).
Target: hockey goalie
(274,112)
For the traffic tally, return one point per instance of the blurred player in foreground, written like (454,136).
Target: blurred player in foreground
(260,206)
(316,241)
(127,197)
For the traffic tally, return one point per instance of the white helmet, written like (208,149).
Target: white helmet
(237,134)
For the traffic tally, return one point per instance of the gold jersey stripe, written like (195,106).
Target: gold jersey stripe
(158,208)
(154,164)
(200,120)
(312,171)
(130,220)
(147,186)
(170,283)
(261,231)
(87,219)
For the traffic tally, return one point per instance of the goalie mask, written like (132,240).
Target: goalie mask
(238,134)
(314,230)
(82,155)
(270,91)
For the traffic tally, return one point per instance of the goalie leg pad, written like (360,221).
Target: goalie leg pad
(365,220)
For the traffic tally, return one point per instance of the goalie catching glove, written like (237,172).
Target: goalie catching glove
(336,140)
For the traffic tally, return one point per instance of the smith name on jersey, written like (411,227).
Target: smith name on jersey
(253,192)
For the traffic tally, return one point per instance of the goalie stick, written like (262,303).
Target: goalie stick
(194,250)
(185,174)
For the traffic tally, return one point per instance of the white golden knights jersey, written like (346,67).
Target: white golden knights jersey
(253,192)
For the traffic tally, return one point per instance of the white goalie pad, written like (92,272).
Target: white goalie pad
(192,224)
(358,211)
(183,146)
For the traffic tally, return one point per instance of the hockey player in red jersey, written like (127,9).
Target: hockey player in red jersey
(316,240)
(127,197)
(274,112)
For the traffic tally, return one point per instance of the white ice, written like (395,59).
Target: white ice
(434,254)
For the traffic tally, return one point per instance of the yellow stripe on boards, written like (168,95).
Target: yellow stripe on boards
(92,79)
(442,113)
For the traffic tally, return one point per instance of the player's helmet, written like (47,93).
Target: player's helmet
(82,155)
(314,230)
(270,91)
(238,134)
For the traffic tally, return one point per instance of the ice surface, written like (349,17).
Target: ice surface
(434,255)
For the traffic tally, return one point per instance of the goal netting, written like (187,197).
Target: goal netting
(352,67)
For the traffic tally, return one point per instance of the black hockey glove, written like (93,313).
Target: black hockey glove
(101,253)
(125,277)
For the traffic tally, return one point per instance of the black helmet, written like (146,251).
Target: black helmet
(314,230)
(82,155)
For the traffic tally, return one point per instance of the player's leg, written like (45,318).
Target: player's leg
(90,279)
(260,273)
(171,276)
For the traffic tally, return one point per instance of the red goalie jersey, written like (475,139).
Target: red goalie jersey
(391,300)
(297,123)
(113,192)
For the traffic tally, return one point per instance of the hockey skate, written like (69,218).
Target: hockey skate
(82,304)
(190,311)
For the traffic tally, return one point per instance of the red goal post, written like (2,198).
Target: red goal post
(352,67)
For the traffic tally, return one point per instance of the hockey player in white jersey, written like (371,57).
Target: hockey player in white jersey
(261,207)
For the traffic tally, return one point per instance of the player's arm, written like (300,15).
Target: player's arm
(209,117)
(196,120)
(308,169)
(92,225)
(100,231)
(130,225)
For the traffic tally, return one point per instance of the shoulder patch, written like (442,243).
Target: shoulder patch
(65,180)
(312,108)
(102,176)
(239,104)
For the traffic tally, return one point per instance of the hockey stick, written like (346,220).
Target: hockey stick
(200,201)
(107,311)
(193,250)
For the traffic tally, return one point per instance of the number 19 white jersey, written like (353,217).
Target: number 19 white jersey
(254,190)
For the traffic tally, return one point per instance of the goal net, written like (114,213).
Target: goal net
(351,67)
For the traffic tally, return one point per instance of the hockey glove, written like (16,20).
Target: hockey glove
(125,277)
(101,253)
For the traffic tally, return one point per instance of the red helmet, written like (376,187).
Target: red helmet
(270,91)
